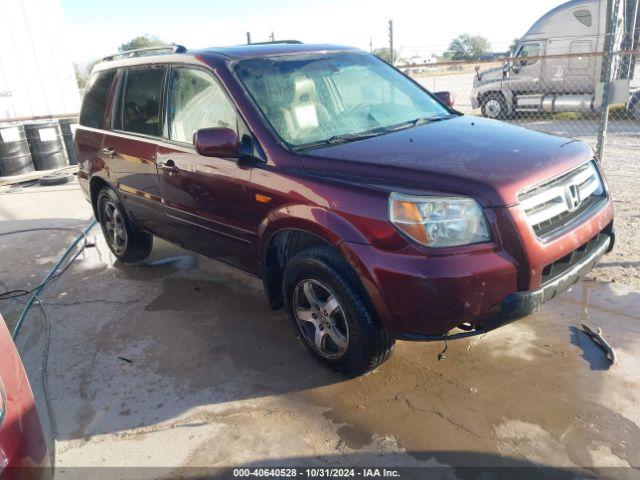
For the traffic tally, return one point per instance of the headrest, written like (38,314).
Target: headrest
(304,90)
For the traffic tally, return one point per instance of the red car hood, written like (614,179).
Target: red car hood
(488,160)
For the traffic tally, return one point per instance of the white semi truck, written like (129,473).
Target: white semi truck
(558,63)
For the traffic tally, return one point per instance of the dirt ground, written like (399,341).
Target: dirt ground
(178,362)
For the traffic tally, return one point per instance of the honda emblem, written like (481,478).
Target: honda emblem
(572,194)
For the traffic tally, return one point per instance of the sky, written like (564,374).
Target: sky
(97,27)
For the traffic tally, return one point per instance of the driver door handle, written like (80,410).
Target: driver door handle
(169,166)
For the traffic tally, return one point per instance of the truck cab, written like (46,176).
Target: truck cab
(555,67)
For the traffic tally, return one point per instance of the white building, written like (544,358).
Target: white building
(36,74)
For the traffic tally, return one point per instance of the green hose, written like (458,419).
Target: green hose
(48,277)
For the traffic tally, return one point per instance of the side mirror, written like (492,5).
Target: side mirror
(444,97)
(477,68)
(217,142)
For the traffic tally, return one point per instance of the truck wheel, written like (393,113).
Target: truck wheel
(494,106)
(125,240)
(333,316)
(634,108)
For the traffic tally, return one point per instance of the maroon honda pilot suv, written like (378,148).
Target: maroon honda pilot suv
(371,210)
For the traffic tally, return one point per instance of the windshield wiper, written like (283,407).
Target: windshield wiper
(342,138)
(347,137)
(428,119)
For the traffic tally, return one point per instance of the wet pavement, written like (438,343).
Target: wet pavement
(180,362)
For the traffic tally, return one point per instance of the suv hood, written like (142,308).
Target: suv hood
(484,159)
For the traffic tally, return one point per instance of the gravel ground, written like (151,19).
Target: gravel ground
(621,167)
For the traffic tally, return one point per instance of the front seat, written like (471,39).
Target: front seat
(308,117)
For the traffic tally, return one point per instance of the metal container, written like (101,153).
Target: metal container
(15,158)
(67,127)
(46,145)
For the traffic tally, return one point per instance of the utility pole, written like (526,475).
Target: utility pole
(272,37)
(606,82)
(391,42)
(248,38)
(370,45)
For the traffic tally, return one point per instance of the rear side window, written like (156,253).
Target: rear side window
(140,100)
(95,99)
(197,101)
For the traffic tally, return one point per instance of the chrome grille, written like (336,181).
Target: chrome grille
(557,204)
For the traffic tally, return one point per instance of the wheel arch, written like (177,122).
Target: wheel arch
(293,229)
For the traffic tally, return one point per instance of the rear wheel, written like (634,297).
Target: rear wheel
(126,241)
(635,109)
(333,316)
(494,106)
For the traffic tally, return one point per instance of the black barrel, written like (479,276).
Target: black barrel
(15,158)
(67,138)
(46,145)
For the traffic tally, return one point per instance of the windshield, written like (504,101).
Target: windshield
(318,98)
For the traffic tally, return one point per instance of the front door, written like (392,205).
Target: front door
(131,147)
(525,71)
(206,199)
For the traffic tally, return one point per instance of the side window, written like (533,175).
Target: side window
(583,16)
(528,50)
(94,103)
(140,100)
(197,101)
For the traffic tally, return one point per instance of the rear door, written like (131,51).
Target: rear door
(131,146)
(206,199)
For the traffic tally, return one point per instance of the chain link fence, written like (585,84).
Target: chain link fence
(572,74)
(556,94)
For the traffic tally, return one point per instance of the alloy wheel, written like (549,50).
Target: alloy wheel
(114,227)
(321,319)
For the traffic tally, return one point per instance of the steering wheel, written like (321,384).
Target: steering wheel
(359,107)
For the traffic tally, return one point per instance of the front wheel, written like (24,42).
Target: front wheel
(333,316)
(126,241)
(494,106)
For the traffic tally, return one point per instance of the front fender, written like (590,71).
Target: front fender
(326,224)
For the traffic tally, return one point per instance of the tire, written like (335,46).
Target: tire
(634,108)
(127,242)
(58,178)
(324,271)
(494,106)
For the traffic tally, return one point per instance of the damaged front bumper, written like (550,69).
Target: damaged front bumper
(521,304)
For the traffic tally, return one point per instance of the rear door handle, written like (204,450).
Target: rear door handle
(109,151)
(169,166)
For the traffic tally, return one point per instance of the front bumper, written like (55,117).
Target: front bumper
(521,304)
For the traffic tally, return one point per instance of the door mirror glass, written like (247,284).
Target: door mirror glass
(217,142)
(444,97)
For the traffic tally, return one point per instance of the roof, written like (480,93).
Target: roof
(226,53)
(269,49)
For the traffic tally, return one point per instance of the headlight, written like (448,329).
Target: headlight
(439,221)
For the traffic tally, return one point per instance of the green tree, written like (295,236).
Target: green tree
(385,54)
(82,71)
(468,47)
(143,41)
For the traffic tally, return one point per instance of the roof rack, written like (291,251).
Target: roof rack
(143,52)
(290,42)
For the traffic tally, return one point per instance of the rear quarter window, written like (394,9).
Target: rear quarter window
(94,103)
